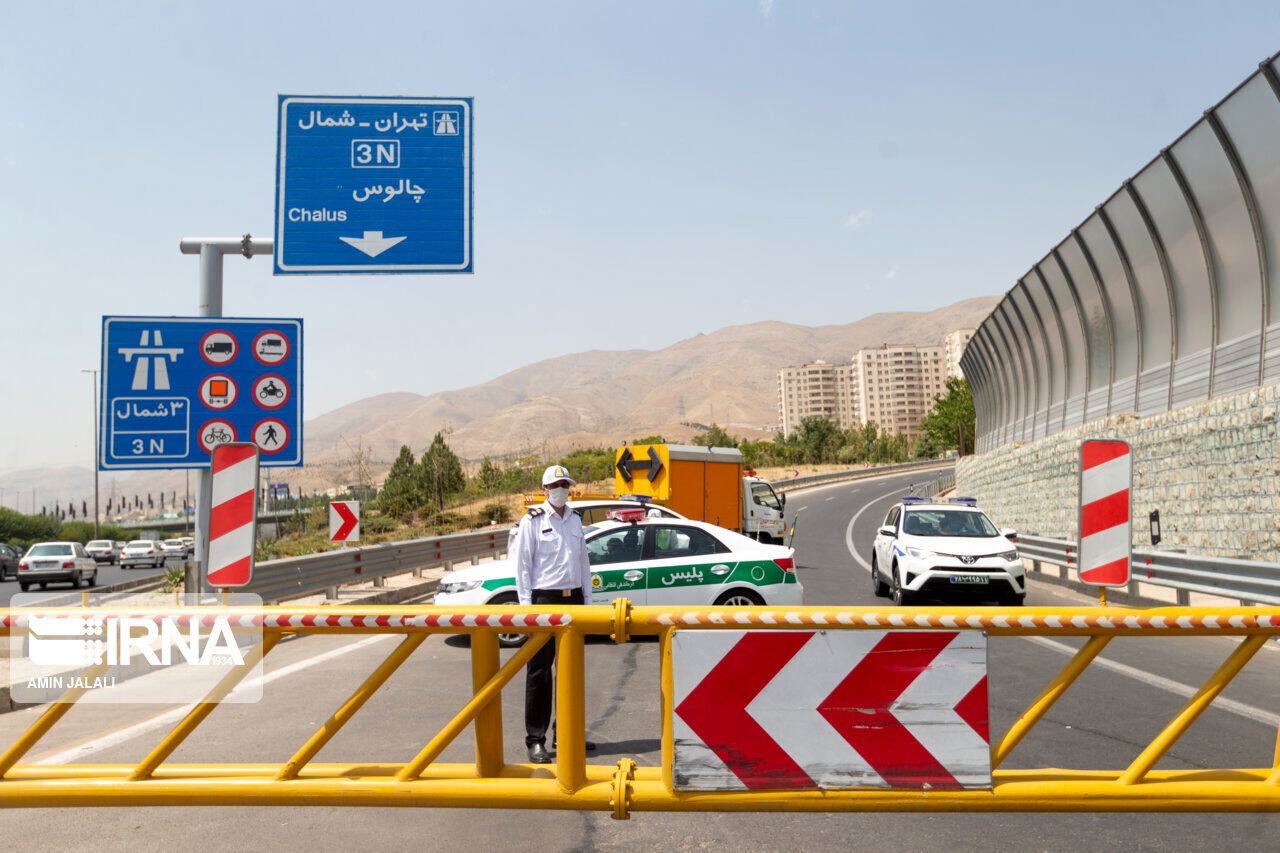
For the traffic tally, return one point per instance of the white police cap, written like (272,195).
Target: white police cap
(556,473)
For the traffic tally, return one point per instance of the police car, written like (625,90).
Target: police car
(592,509)
(928,548)
(651,559)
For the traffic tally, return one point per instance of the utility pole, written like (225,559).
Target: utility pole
(95,449)
(209,304)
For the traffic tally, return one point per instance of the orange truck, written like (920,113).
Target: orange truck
(703,483)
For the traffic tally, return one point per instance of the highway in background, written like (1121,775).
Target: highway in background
(108,574)
(1101,723)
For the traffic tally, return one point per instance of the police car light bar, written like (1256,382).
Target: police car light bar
(973,502)
(631,515)
(644,499)
(915,499)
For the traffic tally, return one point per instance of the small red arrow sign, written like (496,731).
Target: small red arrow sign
(348,521)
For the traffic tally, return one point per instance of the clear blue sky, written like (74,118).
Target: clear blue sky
(643,172)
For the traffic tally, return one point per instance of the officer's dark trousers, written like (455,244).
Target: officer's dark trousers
(539,689)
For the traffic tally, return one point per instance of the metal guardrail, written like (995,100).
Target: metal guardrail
(1247,581)
(294,577)
(570,783)
(855,474)
(929,488)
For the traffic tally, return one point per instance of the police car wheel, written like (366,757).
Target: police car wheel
(901,597)
(739,598)
(880,588)
(509,641)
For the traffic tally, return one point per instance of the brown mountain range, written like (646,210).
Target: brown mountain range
(588,399)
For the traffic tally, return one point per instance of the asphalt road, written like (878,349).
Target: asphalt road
(108,574)
(1103,722)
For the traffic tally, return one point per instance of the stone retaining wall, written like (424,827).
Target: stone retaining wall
(1212,469)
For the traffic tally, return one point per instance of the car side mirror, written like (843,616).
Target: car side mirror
(1009,533)
(886,530)
(782,499)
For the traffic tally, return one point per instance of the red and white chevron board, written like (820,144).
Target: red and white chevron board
(233,520)
(1106,517)
(830,709)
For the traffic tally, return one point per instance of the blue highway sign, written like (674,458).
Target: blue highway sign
(373,185)
(173,388)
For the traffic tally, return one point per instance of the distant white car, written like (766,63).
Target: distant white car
(103,550)
(658,560)
(142,552)
(57,562)
(175,548)
(945,549)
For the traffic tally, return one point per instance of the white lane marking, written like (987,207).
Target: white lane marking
(848,531)
(833,497)
(167,718)
(1175,687)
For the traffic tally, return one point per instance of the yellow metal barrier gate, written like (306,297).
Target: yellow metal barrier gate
(573,784)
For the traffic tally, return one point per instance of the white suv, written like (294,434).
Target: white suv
(928,548)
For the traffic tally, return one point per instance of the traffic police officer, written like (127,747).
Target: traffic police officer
(551,568)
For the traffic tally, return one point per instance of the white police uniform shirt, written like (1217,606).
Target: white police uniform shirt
(551,554)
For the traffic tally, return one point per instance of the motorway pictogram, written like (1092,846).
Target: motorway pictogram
(344,521)
(1106,517)
(812,709)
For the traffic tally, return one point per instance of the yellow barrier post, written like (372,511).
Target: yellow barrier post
(46,721)
(482,697)
(1193,709)
(668,709)
(349,708)
(571,751)
(485,662)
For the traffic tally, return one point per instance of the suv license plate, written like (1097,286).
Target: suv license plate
(970,579)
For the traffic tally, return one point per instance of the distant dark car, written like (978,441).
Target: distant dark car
(9,557)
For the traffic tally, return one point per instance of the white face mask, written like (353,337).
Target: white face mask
(558,497)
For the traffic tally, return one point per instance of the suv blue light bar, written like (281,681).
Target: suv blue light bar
(908,500)
(644,499)
(973,502)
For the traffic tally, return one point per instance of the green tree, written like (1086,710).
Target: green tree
(402,490)
(650,439)
(17,528)
(715,437)
(588,464)
(489,477)
(819,439)
(952,412)
(440,472)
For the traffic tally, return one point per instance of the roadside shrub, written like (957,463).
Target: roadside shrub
(495,513)
(378,524)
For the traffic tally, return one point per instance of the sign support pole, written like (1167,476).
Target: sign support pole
(209,304)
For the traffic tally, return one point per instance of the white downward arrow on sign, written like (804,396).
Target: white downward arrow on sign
(372,243)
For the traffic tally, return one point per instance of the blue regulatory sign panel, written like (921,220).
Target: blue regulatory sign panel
(173,388)
(373,185)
